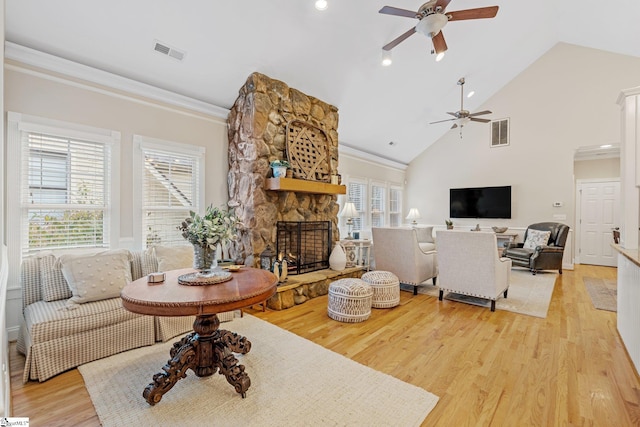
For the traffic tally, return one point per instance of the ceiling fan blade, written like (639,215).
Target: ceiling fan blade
(440,121)
(442,3)
(474,119)
(481,12)
(389,10)
(480,113)
(439,45)
(398,39)
(452,114)
(455,125)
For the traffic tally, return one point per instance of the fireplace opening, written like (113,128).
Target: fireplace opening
(305,245)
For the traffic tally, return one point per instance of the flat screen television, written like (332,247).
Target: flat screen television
(480,202)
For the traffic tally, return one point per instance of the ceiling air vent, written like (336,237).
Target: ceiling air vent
(165,49)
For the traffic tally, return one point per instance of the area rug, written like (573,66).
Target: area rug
(293,382)
(528,294)
(603,293)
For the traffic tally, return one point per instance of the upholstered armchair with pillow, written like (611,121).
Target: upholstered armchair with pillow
(543,247)
(409,253)
(469,264)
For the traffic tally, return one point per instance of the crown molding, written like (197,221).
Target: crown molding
(73,69)
(345,150)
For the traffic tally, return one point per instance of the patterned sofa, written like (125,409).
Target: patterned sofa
(55,338)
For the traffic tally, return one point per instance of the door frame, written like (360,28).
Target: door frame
(579,183)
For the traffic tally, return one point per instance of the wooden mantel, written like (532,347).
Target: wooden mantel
(304,186)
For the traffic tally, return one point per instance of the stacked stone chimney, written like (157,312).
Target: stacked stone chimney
(257,135)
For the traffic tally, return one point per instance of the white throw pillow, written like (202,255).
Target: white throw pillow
(536,238)
(173,257)
(98,276)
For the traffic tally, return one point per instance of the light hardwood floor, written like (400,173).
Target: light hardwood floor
(489,369)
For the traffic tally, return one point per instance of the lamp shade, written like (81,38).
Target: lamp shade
(349,210)
(413,214)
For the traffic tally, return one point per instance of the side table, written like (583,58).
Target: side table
(363,251)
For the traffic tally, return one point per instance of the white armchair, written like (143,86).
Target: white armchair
(409,253)
(469,264)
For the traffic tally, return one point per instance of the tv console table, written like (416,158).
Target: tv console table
(504,239)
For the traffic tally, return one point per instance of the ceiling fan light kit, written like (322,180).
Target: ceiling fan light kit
(431,19)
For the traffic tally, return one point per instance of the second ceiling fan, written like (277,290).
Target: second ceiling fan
(432,18)
(463,116)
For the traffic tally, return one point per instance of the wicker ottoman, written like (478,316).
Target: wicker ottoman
(386,288)
(349,300)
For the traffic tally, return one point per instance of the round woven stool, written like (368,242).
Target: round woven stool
(349,300)
(386,288)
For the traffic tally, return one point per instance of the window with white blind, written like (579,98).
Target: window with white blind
(171,183)
(395,206)
(65,179)
(378,204)
(357,193)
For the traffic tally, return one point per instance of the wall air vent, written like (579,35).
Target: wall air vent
(500,132)
(165,49)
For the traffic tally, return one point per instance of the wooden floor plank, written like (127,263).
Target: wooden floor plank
(489,369)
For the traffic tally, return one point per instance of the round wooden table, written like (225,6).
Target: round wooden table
(208,348)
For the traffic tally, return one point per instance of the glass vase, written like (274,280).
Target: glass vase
(204,258)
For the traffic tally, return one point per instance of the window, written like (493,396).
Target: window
(65,181)
(395,206)
(170,179)
(378,204)
(357,193)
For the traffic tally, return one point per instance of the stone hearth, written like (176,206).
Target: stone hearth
(302,287)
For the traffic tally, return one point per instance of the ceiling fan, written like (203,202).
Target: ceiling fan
(432,18)
(462,116)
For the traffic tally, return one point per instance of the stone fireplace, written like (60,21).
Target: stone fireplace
(261,122)
(257,128)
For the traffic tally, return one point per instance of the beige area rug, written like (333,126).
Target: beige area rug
(294,382)
(528,294)
(603,293)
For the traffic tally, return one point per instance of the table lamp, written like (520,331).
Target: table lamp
(413,215)
(349,211)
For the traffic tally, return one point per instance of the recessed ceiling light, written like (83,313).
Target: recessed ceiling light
(386,58)
(470,94)
(439,56)
(321,4)
(606,146)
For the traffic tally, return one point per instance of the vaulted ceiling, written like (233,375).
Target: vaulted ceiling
(333,55)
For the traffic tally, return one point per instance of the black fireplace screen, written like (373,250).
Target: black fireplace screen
(304,245)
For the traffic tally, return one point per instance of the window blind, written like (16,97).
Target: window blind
(377,205)
(395,207)
(65,197)
(357,193)
(169,192)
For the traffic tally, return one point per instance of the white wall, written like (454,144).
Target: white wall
(599,168)
(565,100)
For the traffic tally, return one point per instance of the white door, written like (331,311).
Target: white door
(599,206)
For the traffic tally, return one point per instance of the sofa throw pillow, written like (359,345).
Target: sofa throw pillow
(536,238)
(54,286)
(96,277)
(173,257)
